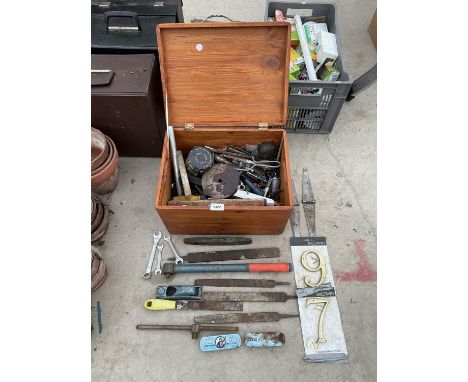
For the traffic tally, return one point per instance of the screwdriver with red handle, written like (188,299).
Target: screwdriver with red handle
(171,268)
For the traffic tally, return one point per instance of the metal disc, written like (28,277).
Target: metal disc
(220,181)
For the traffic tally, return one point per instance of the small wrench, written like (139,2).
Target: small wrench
(178,259)
(158,270)
(156,238)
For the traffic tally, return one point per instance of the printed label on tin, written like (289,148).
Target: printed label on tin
(216,207)
(220,342)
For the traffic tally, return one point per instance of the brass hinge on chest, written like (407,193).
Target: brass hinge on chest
(263,126)
(189,126)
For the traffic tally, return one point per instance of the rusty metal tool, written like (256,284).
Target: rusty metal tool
(170,268)
(308,202)
(194,328)
(218,240)
(248,296)
(229,318)
(264,339)
(295,216)
(220,181)
(159,304)
(235,254)
(243,283)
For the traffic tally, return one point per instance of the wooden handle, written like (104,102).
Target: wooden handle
(270,267)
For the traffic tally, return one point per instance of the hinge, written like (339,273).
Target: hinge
(263,126)
(189,126)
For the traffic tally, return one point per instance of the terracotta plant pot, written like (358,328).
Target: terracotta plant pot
(104,178)
(99,149)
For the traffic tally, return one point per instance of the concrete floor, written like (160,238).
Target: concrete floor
(343,171)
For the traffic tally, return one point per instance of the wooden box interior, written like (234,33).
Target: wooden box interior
(219,137)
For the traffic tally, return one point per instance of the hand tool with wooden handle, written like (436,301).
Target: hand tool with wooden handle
(159,304)
(242,317)
(171,268)
(194,328)
(243,283)
(235,254)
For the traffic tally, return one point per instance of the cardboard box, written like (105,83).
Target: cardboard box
(373,29)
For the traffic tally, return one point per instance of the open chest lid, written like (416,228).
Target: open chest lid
(225,74)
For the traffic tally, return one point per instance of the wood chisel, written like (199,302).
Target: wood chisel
(235,254)
(159,304)
(248,296)
(218,240)
(170,268)
(242,317)
(242,283)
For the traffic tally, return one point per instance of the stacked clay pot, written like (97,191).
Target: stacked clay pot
(99,218)
(98,269)
(104,163)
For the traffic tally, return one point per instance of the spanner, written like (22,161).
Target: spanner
(158,270)
(156,238)
(178,259)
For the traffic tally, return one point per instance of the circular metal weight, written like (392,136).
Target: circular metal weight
(199,159)
(220,181)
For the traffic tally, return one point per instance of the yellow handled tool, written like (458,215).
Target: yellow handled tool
(159,304)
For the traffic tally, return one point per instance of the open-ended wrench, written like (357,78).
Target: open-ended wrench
(158,270)
(156,237)
(178,259)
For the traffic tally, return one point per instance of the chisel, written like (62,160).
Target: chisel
(159,304)
(246,283)
(170,268)
(248,296)
(242,317)
(235,254)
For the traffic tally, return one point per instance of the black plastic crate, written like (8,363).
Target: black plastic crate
(317,112)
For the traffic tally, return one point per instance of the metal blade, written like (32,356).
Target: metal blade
(251,283)
(209,305)
(247,296)
(295,216)
(236,254)
(308,202)
(242,317)
(218,240)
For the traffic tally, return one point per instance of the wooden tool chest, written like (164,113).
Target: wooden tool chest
(225,83)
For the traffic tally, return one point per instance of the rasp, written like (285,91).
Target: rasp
(308,202)
(249,283)
(242,317)
(294,218)
(159,304)
(247,296)
(235,254)
(218,240)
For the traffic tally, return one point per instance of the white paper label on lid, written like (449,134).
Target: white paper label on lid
(216,207)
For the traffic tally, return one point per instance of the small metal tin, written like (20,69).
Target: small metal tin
(179,292)
(220,342)
(265,339)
